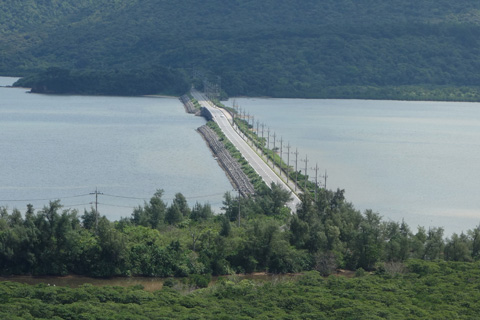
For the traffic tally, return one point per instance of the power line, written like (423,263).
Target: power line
(46,199)
(104,194)
(115,205)
(123,197)
(146,198)
(77,205)
(97,193)
(206,195)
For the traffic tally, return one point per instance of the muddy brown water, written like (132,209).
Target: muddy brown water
(149,284)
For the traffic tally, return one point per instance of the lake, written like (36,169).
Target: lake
(418,161)
(64,147)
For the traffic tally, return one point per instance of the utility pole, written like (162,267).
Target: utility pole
(248,127)
(296,169)
(96,193)
(325,184)
(273,150)
(253,127)
(258,135)
(288,161)
(316,180)
(244,117)
(239,114)
(268,142)
(325,177)
(263,141)
(306,168)
(281,153)
(235,113)
(239,207)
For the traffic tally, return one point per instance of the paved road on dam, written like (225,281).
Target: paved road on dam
(223,118)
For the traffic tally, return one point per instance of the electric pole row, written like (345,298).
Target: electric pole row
(265,133)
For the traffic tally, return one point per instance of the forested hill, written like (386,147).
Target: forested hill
(410,49)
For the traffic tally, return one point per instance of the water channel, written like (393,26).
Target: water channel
(149,284)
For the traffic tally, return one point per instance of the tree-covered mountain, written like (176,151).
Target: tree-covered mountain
(313,48)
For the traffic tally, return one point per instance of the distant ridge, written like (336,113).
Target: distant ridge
(401,49)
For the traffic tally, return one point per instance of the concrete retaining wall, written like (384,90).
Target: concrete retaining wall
(231,166)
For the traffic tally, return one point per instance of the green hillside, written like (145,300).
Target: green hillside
(332,48)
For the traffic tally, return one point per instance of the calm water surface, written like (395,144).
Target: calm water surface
(63,147)
(418,161)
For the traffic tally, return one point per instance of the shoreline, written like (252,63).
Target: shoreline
(325,96)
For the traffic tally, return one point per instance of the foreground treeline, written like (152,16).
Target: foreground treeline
(414,290)
(253,234)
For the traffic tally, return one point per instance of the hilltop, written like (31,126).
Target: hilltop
(332,48)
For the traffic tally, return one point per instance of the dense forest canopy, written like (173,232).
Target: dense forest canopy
(408,49)
(253,234)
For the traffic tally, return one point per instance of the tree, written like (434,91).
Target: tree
(15,219)
(173,215)
(181,203)
(418,243)
(457,248)
(152,214)
(299,232)
(396,239)
(273,200)
(226,228)
(434,244)
(474,236)
(89,219)
(112,254)
(156,210)
(201,212)
(230,206)
(368,243)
